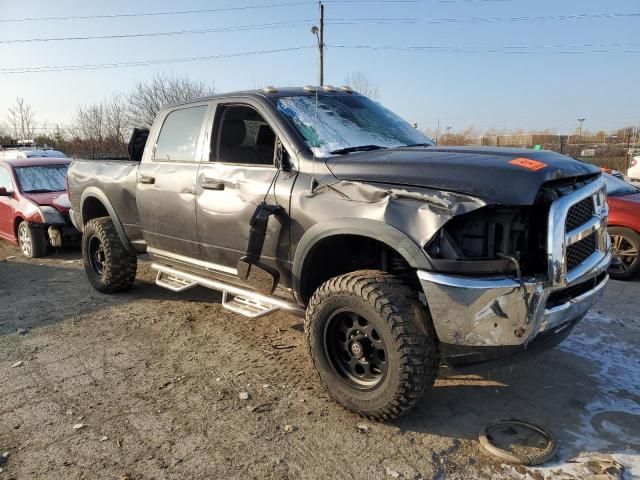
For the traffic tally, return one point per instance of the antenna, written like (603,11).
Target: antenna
(313,152)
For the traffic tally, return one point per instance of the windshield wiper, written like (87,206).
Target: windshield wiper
(42,190)
(419,145)
(361,148)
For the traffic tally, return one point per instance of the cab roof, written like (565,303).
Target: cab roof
(272,92)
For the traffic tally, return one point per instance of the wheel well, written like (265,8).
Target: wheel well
(340,254)
(93,208)
(16,223)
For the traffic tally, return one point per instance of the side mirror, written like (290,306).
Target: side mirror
(281,157)
(4,192)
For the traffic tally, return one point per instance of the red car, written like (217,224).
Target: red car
(624,227)
(34,207)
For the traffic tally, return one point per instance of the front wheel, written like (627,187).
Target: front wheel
(32,240)
(625,245)
(109,266)
(371,343)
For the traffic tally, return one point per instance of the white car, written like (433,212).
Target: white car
(634,169)
(30,152)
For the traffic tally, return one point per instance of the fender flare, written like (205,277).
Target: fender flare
(96,193)
(383,232)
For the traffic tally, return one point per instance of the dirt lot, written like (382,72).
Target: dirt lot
(155,378)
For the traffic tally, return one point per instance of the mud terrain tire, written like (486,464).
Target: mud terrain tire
(371,311)
(109,266)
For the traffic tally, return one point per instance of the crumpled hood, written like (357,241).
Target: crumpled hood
(58,200)
(502,175)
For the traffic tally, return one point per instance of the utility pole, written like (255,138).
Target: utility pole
(319,33)
(580,122)
(321,44)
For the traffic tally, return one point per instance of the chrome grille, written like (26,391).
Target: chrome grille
(580,251)
(577,231)
(580,213)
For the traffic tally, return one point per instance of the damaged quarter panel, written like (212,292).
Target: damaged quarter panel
(111,184)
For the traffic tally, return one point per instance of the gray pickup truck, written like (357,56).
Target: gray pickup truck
(400,254)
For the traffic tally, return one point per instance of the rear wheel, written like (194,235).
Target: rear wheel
(625,245)
(109,266)
(32,240)
(371,343)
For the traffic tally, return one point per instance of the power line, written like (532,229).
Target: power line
(154,14)
(259,26)
(98,66)
(231,9)
(412,20)
(509,49)
(335,21)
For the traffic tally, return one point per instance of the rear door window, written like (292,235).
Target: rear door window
(180,134)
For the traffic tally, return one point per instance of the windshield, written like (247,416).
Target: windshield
(345,121)
(42,178)
(616,186)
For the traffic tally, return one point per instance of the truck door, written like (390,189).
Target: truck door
(238,177)
(167,183)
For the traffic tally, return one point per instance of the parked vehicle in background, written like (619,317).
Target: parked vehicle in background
(9,152)
(319,201)
(624,227)
(634,168)
(34,205)
(613,172)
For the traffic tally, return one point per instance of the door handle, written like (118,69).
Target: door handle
(212,184)
(146,179)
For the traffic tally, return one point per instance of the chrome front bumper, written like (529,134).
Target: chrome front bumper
(506,311)
(497,312)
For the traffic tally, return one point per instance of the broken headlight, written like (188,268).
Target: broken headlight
(492,239)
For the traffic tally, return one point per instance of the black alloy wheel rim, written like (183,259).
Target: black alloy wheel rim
(96,255)
(624,251)
(355,350)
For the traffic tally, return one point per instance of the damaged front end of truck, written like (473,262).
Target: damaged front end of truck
(512,280)
(499,279)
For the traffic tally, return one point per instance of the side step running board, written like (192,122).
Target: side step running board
(174,282)
(246,306)
(245,302)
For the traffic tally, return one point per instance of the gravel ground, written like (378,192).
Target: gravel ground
(148,385)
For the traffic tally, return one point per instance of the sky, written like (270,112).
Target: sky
(472,77)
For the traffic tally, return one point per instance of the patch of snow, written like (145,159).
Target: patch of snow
(617,372)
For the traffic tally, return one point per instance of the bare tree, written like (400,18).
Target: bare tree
(116,127)
(361,83)
(146,98)
(21,120)
(89,126)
